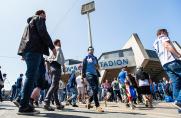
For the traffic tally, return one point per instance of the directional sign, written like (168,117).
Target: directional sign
(87,8)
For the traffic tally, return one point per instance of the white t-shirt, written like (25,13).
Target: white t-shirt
(164,55)
(79,81)
(143,82)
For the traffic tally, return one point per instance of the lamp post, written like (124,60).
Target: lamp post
(87,9)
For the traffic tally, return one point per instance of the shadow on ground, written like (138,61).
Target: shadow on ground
(55,115)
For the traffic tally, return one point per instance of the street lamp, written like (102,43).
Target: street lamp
(86,9)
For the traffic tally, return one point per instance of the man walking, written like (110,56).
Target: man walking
(169,58)
(34,43)
(19,85)
(71,85)
(122,77)
(90,71)
(56,63)
(13,91)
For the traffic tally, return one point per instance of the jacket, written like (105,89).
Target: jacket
(35,37)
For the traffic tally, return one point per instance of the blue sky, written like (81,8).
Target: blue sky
(112,23)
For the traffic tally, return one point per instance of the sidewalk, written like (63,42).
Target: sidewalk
(114,110)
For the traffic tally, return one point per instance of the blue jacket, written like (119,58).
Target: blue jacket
(84,69)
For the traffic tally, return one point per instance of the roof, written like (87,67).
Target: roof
(116,51)
(72,61)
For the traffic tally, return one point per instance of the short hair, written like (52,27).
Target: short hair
(4,75)
(21,75)
(56,41)
(162,31)
(39,12)
(90,48)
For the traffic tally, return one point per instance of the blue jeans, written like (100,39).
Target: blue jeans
(33,61)
(18,93)
(61,95)
(73,93)
(173,70)
(93,83)
(13,94)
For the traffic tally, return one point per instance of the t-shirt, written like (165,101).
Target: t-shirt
(79,81)
(164,55)
(122,76)
(115,85)
(143,82)
(91,64)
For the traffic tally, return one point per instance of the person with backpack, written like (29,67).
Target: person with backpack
(134,88)
(35,43)
(143,81)
(90,72)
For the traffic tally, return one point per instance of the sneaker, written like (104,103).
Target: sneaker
(105,103)
(48,108)
(132,106)
(31,102)
(69,102)
(146,103)
(178,104)
(27,111)
(99,109)
(16,103)
(36,103)
(60,107)
(150,105)
(89,106)
(127,105)
(75,105)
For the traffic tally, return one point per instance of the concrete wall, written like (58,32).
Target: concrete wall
(138,50)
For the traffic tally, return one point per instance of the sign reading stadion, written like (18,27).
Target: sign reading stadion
(107,64)
(117,63)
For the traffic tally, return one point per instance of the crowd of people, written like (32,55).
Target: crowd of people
(43,84)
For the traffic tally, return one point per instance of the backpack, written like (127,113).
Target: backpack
(133,92)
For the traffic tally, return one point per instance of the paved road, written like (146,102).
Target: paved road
(113,110)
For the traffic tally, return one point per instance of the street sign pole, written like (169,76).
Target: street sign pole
(90,33)
(87,9)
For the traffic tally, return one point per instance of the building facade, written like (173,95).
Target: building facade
(133,54)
